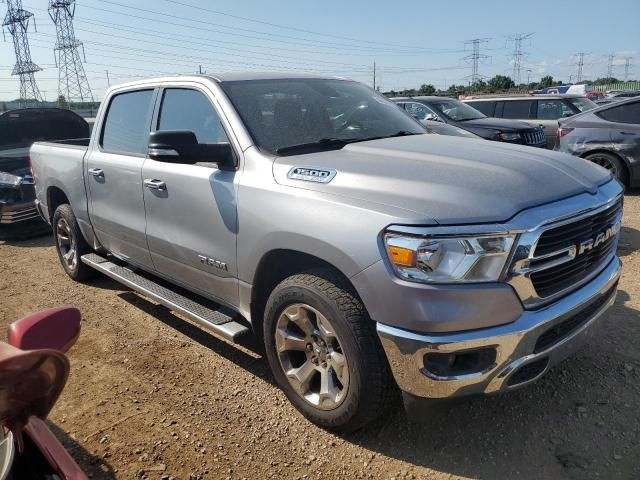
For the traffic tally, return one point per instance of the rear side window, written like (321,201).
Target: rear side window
(184,109)
(126,127)
(553,110)
(627,113)
(484,107)
(517,109)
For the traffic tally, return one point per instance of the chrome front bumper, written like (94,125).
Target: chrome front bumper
(514,344)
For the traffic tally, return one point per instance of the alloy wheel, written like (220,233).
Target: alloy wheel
(66,243)
(311,356)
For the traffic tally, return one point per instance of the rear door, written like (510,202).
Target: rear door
(192,221)
(114,176)
(548,112)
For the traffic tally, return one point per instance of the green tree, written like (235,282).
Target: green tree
(606,80)
(500,82)
(546,81)
(62,102)
(427,89)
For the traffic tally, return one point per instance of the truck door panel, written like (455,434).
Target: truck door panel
(192,222)
(114,169)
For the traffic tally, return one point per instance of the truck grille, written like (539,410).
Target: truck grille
(552,280)
(535,137)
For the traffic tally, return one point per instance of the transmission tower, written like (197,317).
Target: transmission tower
(475,58)
(72,81)
(518,54)
(17,21)
(610,66)
(580,64)
(627,67)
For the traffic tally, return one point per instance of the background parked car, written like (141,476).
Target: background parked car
(454,112)
(18,130)
(543,110)
(609,136)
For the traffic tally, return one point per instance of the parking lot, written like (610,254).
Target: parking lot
(151,396)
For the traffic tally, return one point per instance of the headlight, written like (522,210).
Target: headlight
(9,180)
(509,137)
(448,259)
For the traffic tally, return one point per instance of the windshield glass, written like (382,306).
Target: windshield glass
(582,104)
(455,110)
(289,112)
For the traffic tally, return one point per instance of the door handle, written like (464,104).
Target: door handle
(627,133)
(154,184)
(96,172)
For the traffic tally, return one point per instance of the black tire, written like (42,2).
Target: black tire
(371,388)
(612,163)
(63,217)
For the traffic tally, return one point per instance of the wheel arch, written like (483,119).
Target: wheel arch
(622,158)
(55,198)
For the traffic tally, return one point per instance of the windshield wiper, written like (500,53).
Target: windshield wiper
(317,146)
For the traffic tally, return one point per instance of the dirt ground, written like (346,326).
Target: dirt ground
(151,396)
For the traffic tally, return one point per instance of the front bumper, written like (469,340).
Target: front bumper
(10,214)
(519,358)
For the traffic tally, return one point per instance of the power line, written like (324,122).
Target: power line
(17,22)
(72,83)
(518,54)
(475,58)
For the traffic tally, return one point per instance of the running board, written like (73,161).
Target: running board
(218,321)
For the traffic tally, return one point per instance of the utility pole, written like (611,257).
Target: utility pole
(108,81)
(580,64)
(518,54)
(17,21)
(374,75)
(529,75)
(475,58)
(627,66)
(610,67)
(72,80)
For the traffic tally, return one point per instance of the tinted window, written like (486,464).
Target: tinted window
(418,110)
(582,104)
(289,112)
(484,107)
(455,110)
(126,128)
(627,113)
(184,109)
(553,110)
(517,109)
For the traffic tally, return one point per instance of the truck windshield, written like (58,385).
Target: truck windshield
(455,110)
(285,113)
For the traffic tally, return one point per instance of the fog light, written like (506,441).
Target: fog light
(459,363)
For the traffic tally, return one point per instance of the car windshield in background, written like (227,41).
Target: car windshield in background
(583,104)
(455,110)
(329,113)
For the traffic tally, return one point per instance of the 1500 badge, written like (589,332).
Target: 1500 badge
(310,174)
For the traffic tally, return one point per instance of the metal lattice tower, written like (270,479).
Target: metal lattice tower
(17,21)
(72,80)
(475,58)
(627,67)
(518,54)
(580,65)
(610,66)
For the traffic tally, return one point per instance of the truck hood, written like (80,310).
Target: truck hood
(450,180)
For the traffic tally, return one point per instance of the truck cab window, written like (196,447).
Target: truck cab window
(184,109)
(126,127)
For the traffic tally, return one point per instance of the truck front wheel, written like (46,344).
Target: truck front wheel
(324,352)
(70,244)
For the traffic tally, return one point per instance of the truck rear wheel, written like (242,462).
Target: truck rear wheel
(324,351)
(70,244)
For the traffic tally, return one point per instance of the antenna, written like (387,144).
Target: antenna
(17,21)
(72,80)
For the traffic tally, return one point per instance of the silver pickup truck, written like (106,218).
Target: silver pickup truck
(370,256)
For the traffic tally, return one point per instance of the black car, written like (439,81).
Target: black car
(609,136)
(454,112)
(18,130)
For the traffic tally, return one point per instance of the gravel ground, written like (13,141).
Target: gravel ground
(151,396)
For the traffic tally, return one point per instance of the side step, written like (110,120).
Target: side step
(218,321)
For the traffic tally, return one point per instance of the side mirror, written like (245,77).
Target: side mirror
(181,146)
(57,329)
(432,117)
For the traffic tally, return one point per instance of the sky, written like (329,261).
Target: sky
(411,42)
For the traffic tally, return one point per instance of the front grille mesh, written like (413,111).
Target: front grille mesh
(534,138)
(553,280)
